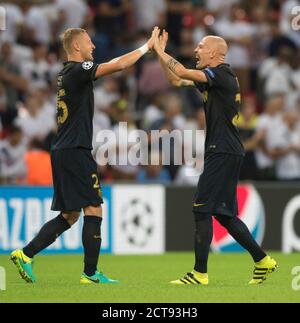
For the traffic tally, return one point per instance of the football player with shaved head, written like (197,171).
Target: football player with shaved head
(216,191)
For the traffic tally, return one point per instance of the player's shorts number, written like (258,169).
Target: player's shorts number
(96,184)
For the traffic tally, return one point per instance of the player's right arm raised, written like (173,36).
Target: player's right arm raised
(174,66)
(172,78)
(124,61)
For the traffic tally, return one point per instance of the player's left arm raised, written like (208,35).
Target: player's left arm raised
(174,66)
(124,61)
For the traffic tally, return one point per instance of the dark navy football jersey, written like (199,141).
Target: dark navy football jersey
(222,99)
(75,105)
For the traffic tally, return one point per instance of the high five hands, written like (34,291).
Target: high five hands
(158,41)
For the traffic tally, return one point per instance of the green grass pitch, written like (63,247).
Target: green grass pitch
(145,279)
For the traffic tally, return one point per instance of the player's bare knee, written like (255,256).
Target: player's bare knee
(71,217)
(73,220)
(93,210)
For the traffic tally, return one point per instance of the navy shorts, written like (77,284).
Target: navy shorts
(75,180)
(216,190)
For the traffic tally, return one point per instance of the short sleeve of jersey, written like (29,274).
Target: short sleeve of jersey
(86,72)
(216,76)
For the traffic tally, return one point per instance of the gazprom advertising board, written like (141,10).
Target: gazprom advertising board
(23,210)
(133,219)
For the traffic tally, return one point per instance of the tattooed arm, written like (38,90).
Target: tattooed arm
(182,72)
(178,69)
(172,78)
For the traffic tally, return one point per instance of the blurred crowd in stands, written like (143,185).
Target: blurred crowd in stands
(264,52)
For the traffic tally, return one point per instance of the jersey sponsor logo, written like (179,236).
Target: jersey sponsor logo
(251,211)
(87,65)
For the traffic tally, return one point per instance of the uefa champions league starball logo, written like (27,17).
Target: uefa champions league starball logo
(137,222)
(87,65)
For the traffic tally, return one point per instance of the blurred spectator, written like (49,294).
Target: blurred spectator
(10,75)
(267,122)
(111,17)
(238,32)
(101,122)
(247,123)
(36,25)
(153,111)
(124,170)
(39,171)
(36,70)
(247,118)
(189,172)
(276,73)
(262,36)
(173,120)
(70,14)
(199,30)
(12,163)
(152,78)
(148,14)
(186,49)
(173,116)
(14,21)
(34,119)
(220,8)
(154,172)
(179,14)
(297,109)
(106,93)
(278,40)
(7,115)
(294,95)
(287,148)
